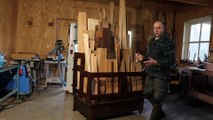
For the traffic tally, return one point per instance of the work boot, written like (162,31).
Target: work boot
(162,113)
(157,112)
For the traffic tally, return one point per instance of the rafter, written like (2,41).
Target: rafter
(196,2)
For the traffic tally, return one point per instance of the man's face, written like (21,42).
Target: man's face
(158,29)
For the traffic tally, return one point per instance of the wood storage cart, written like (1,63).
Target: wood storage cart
(103,99)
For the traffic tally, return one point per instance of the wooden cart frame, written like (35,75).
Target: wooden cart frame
(95,106)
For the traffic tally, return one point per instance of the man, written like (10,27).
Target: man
(158,60)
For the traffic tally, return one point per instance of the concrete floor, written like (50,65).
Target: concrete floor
(53,104)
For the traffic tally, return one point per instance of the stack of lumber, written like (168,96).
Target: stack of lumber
(103,53)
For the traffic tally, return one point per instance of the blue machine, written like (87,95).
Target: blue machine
(25,82)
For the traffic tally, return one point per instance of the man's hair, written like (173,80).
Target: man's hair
(162,23)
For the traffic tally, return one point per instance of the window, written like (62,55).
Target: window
(196,38)
(130,38)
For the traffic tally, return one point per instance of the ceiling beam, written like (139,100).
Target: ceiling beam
(196,2)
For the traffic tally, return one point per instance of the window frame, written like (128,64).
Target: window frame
(186,35)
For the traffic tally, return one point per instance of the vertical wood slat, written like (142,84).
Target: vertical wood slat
(102,67)
(122,25)
(82,26)
(94,68)
(87,57)
(112,10)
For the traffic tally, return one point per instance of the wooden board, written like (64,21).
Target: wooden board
(107,35)
(87,58)
(102,67)
(91,34)
(23,55)
(92,23)
(139,67)
(112,83)
(102,57)
(82,26)
(122,25)
(112,11)
(133,79)
(94,68)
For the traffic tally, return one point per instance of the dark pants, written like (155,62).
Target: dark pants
(155,89)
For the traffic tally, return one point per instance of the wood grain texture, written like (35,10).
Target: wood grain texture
(40,36)
(187,14)
(82,26)
(8,18)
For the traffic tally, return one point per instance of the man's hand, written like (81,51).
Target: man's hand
(151,62)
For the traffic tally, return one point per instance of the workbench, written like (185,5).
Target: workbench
(7,76)
(33,65)
(198,79)
(50,77)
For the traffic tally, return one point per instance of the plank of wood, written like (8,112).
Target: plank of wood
(87,52)
(22,55)
(99,34)
(112,67)
(91,34)
(124,33)
(126,59)
(102,57)
(112,11)
(98,39)
(102,67)
(87,58)
(92,23)
(92,45)
(94,63)
(94,68)
(122,24)
(139,67)
(82,25)
(122,66)
(107,35)
(117,49)
(134,80)
(105,24)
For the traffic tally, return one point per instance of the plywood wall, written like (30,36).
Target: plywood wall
(187,14)
(8,18)
(34,34)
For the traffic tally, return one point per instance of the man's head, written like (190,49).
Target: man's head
(158,29)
